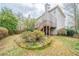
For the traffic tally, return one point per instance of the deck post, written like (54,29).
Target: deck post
(49,30)
(46,30)
(43,29)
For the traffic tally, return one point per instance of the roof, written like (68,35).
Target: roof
(54,9)
(59,10)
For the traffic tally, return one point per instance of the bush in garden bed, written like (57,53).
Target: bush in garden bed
(34,40)
(28,36)
(39,35)
(33,36)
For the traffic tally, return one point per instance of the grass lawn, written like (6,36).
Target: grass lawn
(60,46)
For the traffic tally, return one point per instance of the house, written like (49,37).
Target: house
(51,20)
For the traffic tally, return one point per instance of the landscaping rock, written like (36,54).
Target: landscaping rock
(3,32)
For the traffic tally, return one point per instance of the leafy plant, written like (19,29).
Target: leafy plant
(28,36)
(30,23)
(70,32)
(34,36)
(39,35)
(34,40)
(8,20)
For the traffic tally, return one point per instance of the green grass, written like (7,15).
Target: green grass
(60,46)
(71,43)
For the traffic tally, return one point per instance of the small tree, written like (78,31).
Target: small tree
(74,9)
(8,20)
(30,23)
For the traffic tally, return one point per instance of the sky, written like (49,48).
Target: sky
(32,9)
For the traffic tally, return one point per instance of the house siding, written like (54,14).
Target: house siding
(60,20)
(56,17)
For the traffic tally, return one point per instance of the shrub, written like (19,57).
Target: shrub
(34,40)
(30,24)
(39,34)
(70,32)
(28,36)
(3,32)
(34,36)
(62,31)
(8,20)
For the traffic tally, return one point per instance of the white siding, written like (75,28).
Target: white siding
(60,18)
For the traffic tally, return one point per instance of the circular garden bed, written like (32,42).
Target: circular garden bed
(33,40)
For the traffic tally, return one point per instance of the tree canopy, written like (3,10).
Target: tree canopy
(8,19)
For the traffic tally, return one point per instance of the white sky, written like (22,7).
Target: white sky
(34,9)
(38,4)
(39,7)
(39,1)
